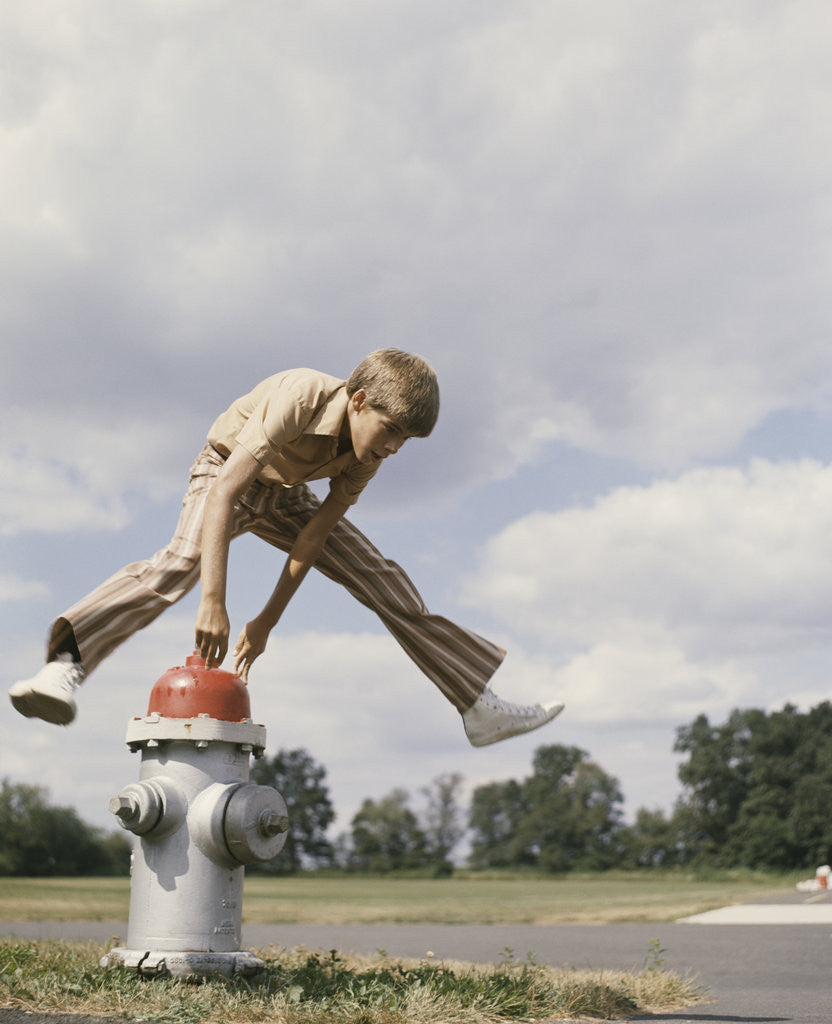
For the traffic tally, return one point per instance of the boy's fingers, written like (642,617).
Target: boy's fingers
(241,667)
(221,651)
(201,644)
(211,650)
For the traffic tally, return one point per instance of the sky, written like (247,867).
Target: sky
(605,224)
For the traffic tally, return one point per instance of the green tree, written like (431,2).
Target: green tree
(494,818)
(573,811)
(300,780)
(116,848)
(757,788)
(38,839)
(715,781)
(386,836)
(652,841)
(565,816)
(443,826)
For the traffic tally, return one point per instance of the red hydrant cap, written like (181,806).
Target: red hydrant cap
(192,689)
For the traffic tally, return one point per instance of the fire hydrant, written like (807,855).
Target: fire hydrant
(197,821)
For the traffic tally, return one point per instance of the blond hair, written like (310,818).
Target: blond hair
(400,384)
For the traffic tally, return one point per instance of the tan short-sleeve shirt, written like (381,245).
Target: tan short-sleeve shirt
(291,424)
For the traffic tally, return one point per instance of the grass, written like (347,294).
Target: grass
(466,898)
(299,987)
(482,899)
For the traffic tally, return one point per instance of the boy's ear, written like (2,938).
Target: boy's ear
(358,398)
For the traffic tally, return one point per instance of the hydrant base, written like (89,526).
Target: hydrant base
(185,965)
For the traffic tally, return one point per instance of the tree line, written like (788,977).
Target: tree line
(755,793)
(37,838)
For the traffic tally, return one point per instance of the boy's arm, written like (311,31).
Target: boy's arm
(302,557)
(212,625)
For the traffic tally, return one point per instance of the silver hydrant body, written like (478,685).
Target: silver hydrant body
(197,821)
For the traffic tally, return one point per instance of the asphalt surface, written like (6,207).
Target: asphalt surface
(759,973)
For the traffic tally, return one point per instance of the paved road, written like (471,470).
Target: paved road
(755,973)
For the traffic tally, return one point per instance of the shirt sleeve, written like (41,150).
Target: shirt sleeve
(348,485)
(278,418)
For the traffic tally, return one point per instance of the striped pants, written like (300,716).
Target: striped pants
(458,661)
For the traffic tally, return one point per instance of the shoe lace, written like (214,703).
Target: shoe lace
(519,710)
(72,673)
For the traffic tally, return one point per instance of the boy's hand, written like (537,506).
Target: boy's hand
(212,629)
(250,645)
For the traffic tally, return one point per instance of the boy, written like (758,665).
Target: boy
(296,426)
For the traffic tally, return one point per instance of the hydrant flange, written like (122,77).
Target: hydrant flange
(154,729)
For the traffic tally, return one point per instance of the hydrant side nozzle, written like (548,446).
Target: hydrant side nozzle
(154,808)
(138,807)
(206,821)
(256,823)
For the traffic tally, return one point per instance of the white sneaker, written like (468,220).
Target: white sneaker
(491,719)
(48,695)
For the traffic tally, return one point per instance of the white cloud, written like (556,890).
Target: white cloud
(726,560)
(45,497)
(15,588)
(644,679)
(83,472)
(643,162)
(571,213)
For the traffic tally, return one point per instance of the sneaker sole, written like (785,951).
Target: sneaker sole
(38,705)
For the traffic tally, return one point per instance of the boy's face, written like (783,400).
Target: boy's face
(375,435)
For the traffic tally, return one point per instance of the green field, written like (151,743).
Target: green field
(462,899)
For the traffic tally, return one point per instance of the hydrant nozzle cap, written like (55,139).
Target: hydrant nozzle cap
(190,690)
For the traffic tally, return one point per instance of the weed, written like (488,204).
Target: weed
(654,961)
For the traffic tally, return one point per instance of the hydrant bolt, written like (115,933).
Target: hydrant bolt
(154,807)
(125,808)
(272,824)
(138,807)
